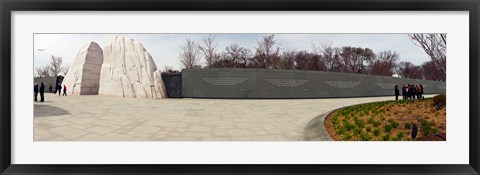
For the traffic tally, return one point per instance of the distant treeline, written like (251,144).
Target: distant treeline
(323,57)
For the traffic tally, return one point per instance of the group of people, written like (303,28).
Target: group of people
(41,90)
(410,91)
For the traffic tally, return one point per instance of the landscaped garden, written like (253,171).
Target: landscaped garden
(390,121)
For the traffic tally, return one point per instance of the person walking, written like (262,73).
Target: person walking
(397,92)
(59,88)
(35,91)
(64,90)
(42,91)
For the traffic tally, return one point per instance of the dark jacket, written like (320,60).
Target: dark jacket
(397,92)
(35,88)
(42,88)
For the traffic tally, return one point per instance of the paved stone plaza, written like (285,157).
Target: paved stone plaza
(100,118)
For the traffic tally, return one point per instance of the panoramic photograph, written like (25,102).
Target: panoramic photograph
(239,87)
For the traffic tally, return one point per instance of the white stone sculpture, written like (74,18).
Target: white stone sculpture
(128,70)
(83,76)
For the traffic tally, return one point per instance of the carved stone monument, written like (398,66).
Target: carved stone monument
(83,76)
(128,70)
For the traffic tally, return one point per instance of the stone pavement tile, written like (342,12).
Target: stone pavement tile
(271,129)
(260,131)
(145,129)
(114,137)
(177,133)
(89,137)
(189,134)
(240,132)
(181,139)
(99,130)
(215,139)
(41,134)
(83,121)
(58,123)
(105,123)
(68,132)
(219,132)
(196,128)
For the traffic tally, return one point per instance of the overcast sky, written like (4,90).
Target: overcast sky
(165,48)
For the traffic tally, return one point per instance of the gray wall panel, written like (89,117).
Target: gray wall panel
(265,83)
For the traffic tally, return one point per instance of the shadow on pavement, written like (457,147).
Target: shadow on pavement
(48,111)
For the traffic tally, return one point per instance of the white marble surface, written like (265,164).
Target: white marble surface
(128,70)
(83,75)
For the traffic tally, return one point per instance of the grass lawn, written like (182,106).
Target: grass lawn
(389,121)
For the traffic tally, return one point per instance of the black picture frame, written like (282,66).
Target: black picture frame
(7,6)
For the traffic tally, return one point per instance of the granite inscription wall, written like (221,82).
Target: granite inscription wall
(266,83)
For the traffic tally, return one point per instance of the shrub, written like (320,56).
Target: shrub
(408,126)
(376,132)
(386,137)
(365,137)
(370,120)
(359,123)
(347,137)
(357,131)
(335,119)
(400,135)
(387,128)
(376,123)
(340,130)
(427,128)
(439,101)
(393,123)
(348,126)
(434,131)
(368,128)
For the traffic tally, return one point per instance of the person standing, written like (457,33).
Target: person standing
(42,91)
(414,91)
(397,92)
(421,91)
(407,91)
(59,88)
(35,91)
(404,93)
(418,92)
(50,88)
(64,90)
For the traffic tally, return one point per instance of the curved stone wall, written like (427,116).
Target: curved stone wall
(268,83)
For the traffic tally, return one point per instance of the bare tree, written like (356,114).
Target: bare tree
(356,58)
(306,61)
(189,54)
(385,63)
(236,56)
(431,72)
(44,71)
(409,70)
(56,65)
(209,50)
(435,45)
(168,69)
(267,53)
(65,70)
(329,56)
(288,59)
